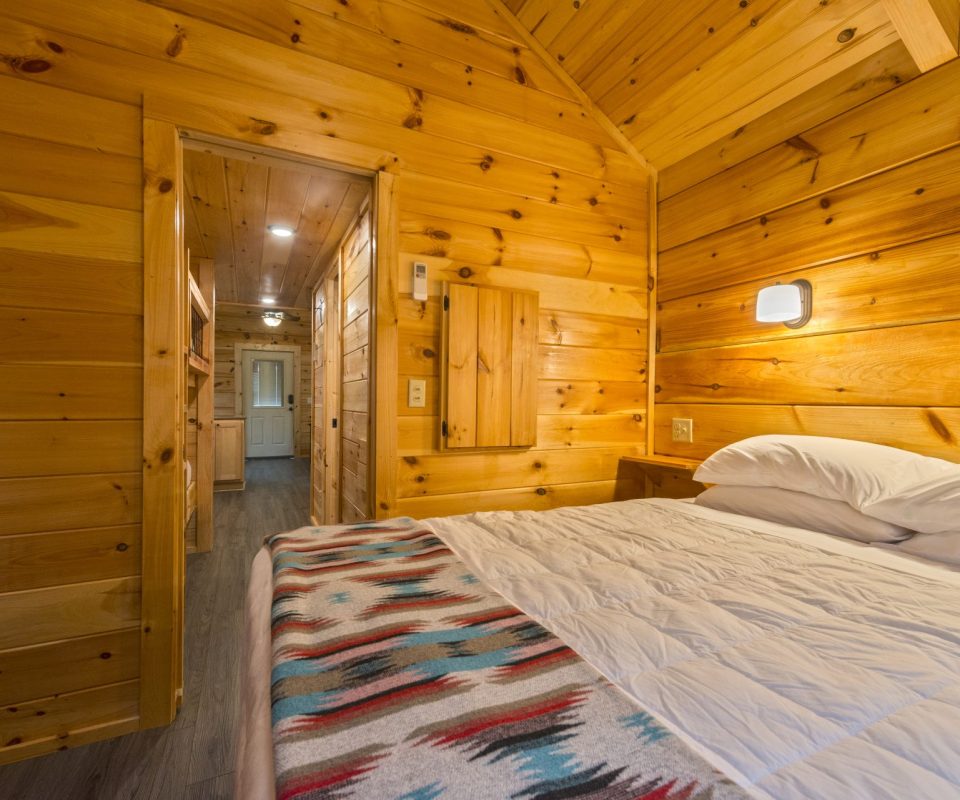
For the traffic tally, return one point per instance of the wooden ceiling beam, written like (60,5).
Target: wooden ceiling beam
(535,47)
(930,29)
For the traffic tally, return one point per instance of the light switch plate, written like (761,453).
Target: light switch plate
(416,393)
(682,430)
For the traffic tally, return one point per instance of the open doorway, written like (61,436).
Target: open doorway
(274,228)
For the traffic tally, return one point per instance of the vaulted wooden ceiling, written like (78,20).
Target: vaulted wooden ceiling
(231,202)
(676,77)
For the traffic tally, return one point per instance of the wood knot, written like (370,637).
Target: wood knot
(165,186)
(105,655)
(824,202)
(514,213)
(464,272)
(384,507)
(521,77)
(166,455)
(919,191)
(32,66)
(428,353)
(637,418)
(459,27)
(537,465)
(294,37)
(122,547)
(846,35)
(55,47)
(263,127)
(176,44)
(413,121)
(593,201)
(420,478)
(541,491)
(657,389)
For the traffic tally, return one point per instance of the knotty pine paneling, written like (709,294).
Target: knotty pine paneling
(71,353)
(503,178)
(866,207)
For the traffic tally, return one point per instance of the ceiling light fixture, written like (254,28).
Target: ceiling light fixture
(272,318)
(268,301)
(280,230)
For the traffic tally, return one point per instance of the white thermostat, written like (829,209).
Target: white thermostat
(419,280)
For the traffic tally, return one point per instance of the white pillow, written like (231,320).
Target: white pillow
(906,489)
(935,546)
(801,511)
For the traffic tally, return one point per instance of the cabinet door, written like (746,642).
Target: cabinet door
(489,389)
(229,451)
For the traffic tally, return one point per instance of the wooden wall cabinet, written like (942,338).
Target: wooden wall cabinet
(229,470)
(489,367)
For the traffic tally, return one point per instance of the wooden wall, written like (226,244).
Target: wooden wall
(237,324)
(866,206)
(355,293)
(503,178)
(70,417)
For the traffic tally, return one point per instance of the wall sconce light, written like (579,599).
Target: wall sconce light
(789,303)
(272,318)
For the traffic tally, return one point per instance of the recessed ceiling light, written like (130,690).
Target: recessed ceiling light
(280,230)
(269,301)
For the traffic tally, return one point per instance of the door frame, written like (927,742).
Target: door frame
(329,396)
(165,125)
(238,348)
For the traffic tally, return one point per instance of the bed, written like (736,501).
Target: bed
(762,659)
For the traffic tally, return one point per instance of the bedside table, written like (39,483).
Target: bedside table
(658,476)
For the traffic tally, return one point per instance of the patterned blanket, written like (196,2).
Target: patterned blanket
(397,674)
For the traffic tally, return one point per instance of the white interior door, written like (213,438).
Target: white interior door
(268,402)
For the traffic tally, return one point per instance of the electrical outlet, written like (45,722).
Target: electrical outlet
(682,430)
(416,393)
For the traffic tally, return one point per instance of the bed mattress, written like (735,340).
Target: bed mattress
(802,665)
(799,664)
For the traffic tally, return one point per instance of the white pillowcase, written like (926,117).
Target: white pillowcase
(801,511)
(906,489)
(935,546)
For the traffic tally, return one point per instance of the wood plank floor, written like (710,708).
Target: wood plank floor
(192,758)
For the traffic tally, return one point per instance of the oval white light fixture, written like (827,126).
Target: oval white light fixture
(280,230)
(272,318)
(789,303)
(268,301)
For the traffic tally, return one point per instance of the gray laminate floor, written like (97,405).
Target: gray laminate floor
(193,757)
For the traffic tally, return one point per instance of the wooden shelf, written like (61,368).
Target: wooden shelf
(673,462)
(197,364)
(660,476)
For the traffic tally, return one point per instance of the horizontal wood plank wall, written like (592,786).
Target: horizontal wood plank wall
(865,206)
(503,179)
(70,417)
(354,320)
(236,324)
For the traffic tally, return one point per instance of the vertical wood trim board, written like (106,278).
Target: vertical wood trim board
(386,259)
(163,393)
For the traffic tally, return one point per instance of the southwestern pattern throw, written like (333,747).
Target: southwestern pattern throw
(396,674)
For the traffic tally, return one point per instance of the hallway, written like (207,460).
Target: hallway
(193,757)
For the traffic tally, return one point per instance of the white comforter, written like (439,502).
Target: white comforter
(801,665)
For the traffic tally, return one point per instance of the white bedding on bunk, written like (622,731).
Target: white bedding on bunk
(802,665)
